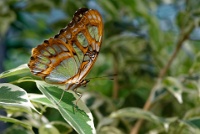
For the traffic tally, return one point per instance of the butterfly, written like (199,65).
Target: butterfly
(69,56)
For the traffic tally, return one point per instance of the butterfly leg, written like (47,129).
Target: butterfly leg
(61,96)
(80,95)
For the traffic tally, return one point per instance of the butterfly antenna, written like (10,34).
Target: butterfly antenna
(110,77)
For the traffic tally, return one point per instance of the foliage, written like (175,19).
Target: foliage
(152,46)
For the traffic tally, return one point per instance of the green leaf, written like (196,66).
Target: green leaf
(196,64)
(7,16)
(159,92)
(195,122)
(62,127)
(48,129)
(15,121)
(193,125)
(142,114)
(110,130)
(41,6)
(14,98)
(175,87)
(19,70)
(78,116)
(16,129)
(38,98)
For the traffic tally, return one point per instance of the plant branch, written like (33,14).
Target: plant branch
(183,37)
(2,55)
(115,86)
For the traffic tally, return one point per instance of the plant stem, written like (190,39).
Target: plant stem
(115,86)
(2,55)
(183,37)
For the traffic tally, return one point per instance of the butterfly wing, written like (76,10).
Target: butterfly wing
(69,56)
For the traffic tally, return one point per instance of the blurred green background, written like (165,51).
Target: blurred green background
(140,36)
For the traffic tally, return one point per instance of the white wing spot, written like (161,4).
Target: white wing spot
(89,17)
(75,29)
(94,16)
(99,19)
(69,36)
(99,38)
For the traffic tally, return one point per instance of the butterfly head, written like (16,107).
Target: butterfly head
(74,86)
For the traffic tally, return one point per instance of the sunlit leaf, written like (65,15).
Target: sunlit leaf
(159,92)
(78,116)
(196,64)
(142,114)
(16,71)
(62,127)
(40,99)
(48,129)
(14,98)
(195,122)
(110,130)
(15,121)
(174,87)
(7,16)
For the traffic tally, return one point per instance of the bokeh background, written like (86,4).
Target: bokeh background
(140,37)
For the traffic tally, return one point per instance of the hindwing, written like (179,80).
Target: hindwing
(69,56)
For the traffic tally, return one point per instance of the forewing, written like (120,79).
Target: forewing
(69,56)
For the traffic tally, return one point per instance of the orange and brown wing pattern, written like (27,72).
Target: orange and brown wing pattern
(68,57)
